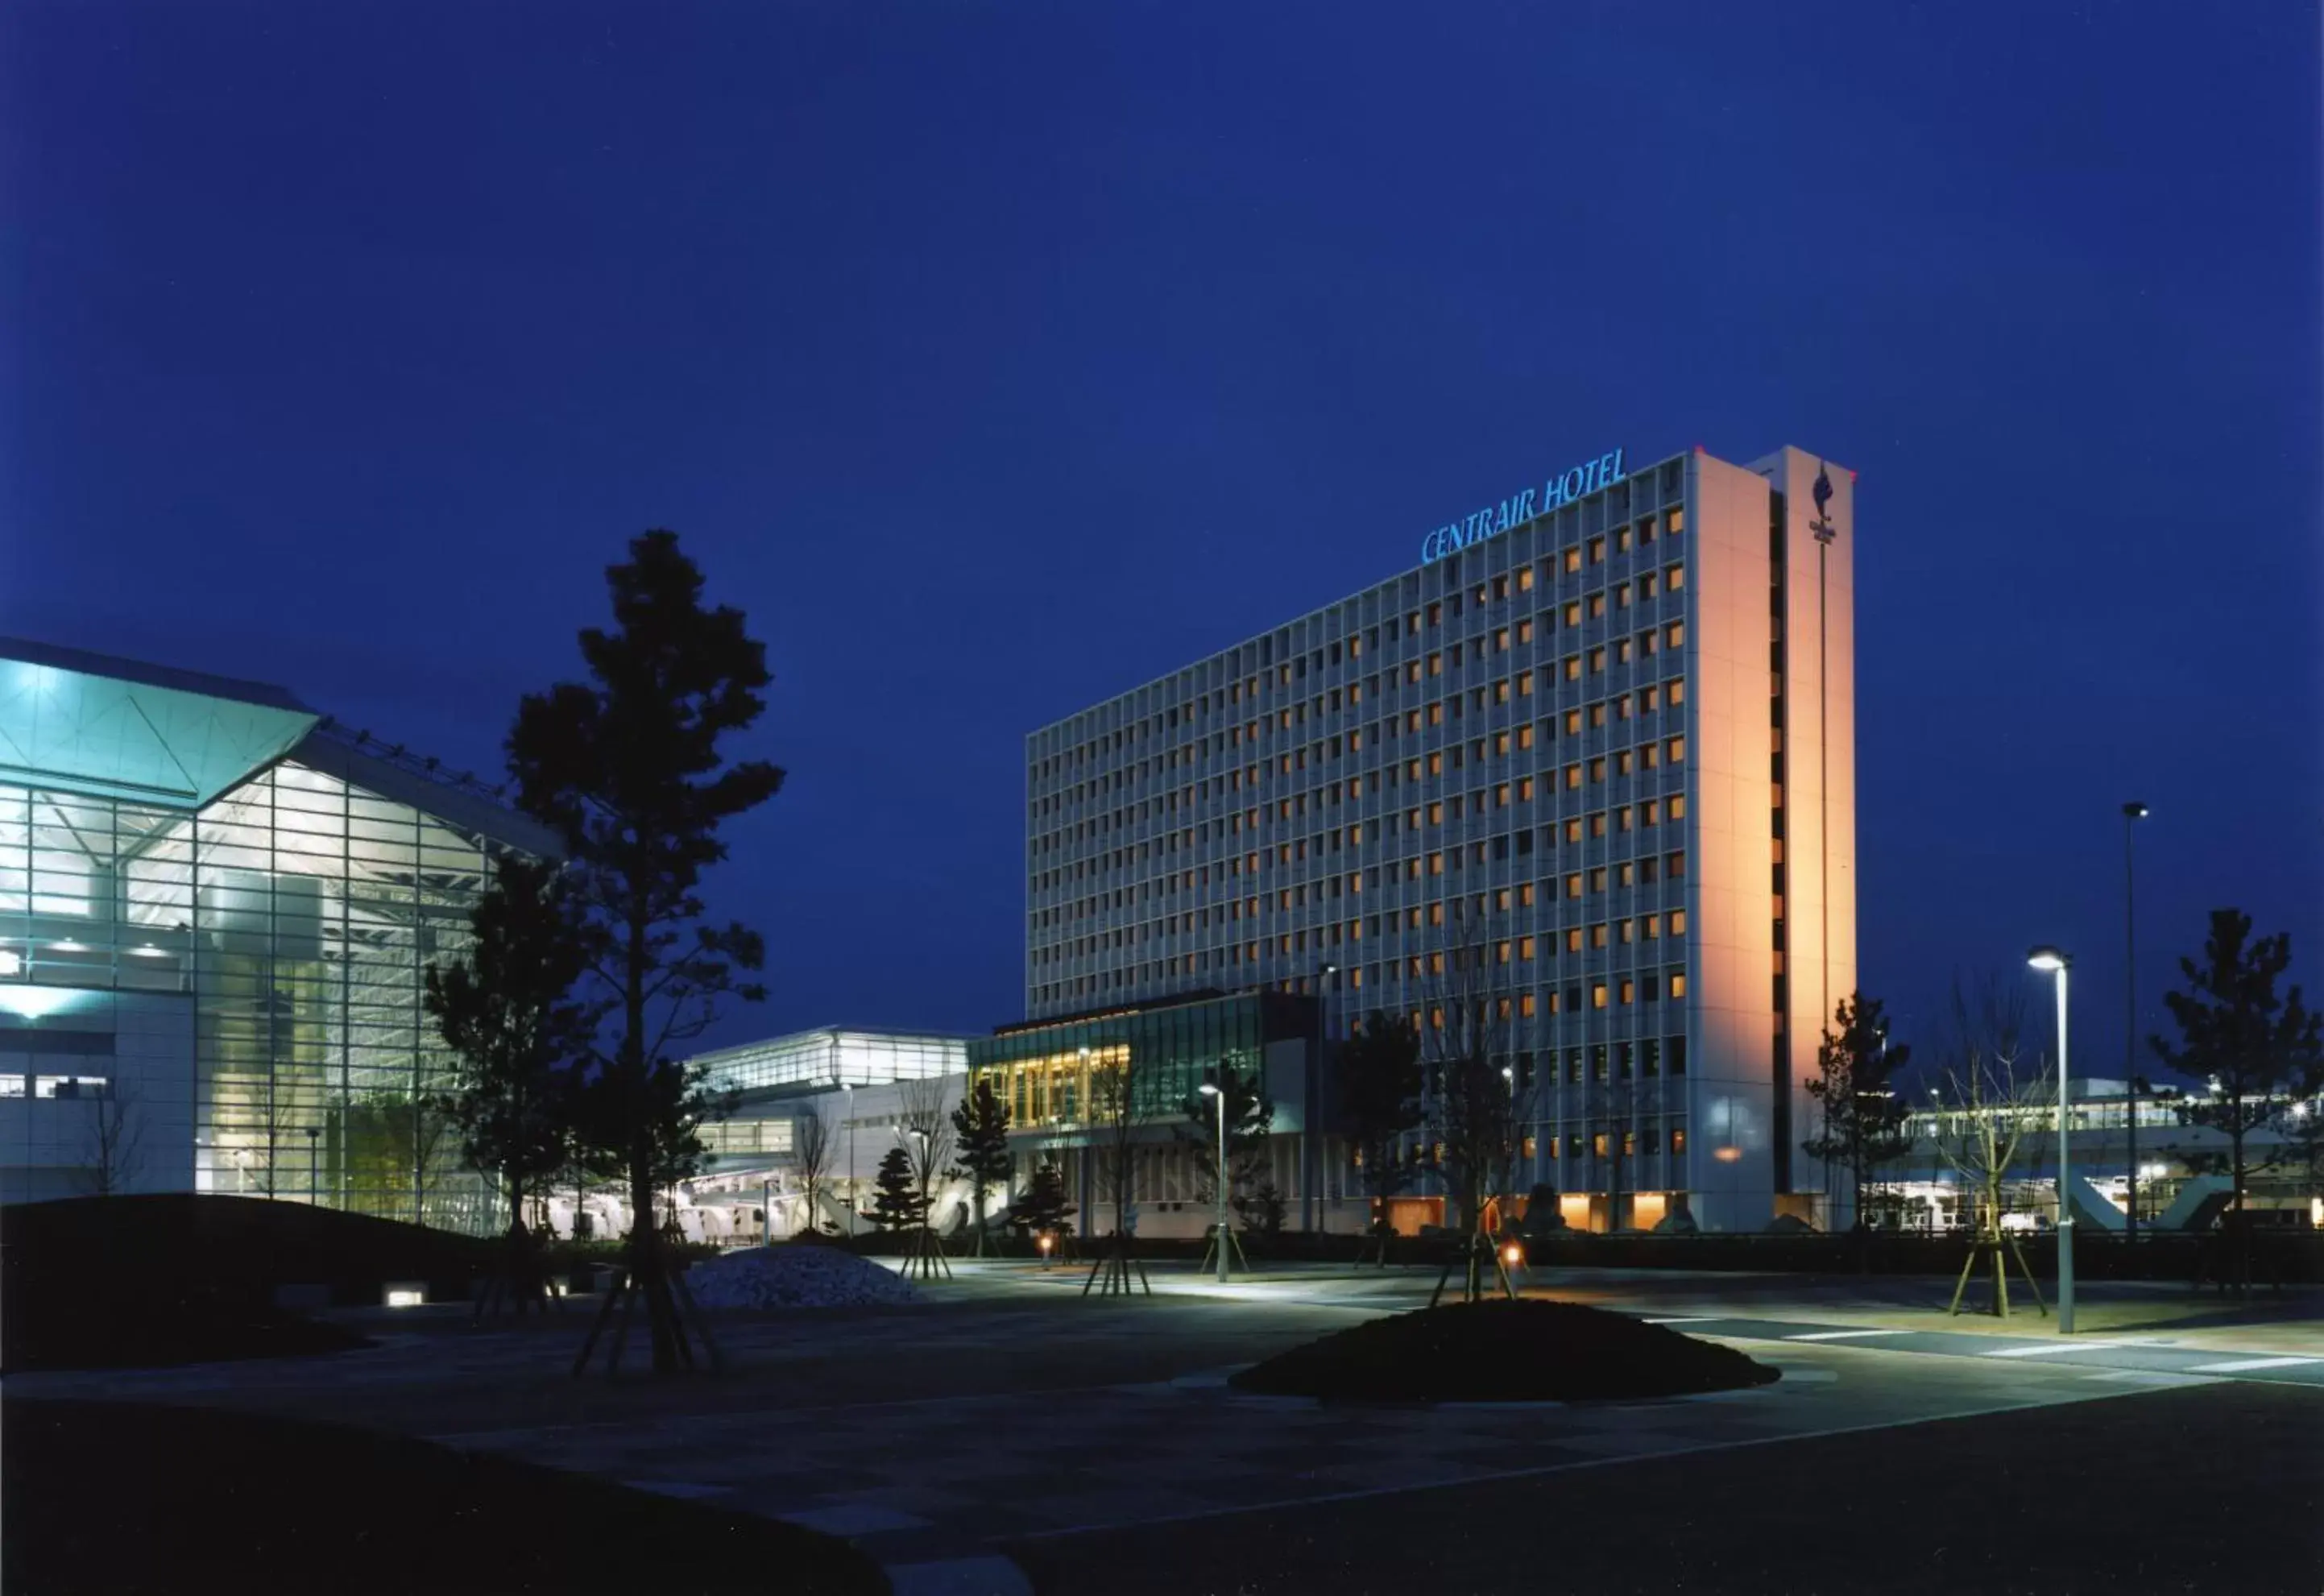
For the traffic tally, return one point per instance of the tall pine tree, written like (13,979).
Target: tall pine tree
(630,768)
(2258,1050)
(1861,1112)
(896,1201)
(981,1147)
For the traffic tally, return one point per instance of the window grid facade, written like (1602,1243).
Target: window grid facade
(1493,753)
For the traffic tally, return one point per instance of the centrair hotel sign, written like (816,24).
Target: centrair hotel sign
(1521,508)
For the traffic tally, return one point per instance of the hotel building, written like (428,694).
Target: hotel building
(1601,740)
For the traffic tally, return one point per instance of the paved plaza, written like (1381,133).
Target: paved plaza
(1009,1419)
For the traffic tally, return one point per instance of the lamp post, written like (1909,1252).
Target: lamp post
(1211,1090)
(1311,1133)
(854,1193)
(314,1183)
(2057,964)
(2132,814)
(1085,1164)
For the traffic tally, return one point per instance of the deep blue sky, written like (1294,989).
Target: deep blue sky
(996,357)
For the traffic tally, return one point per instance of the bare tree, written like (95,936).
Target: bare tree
(1469,1105)
(811,1145)
(1117,1092)
(1989,1103)
(114,1149)
(924,1127)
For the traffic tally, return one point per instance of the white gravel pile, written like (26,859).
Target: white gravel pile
(794,1277)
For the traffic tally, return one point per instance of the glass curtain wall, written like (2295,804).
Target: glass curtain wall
(299,914)
(1044,1072)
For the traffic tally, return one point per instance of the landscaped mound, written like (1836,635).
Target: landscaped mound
(1527,1351)
(111,1282)
(123,1498)
(792,1277)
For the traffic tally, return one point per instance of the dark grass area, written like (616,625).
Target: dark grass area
(2206,1489)
(125,1498)
(113,1282)
(1533,1350)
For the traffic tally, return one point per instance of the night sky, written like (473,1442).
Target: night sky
(996,358)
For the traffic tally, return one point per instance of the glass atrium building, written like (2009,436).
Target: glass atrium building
(217,913)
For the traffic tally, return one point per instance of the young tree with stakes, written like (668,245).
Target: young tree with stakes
(629,768)
(1379,1088)
(1862,1114)
(2259,1050)
(924,1132)
(1988,1106)
(1118,1093)
(517,1033)
(1471,1109)
(980,1132)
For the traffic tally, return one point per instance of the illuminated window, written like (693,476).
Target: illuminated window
(1673,577)
(1596,605)
(1597,550)
(1573,560)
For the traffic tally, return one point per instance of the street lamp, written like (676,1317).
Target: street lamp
(2132,814)
(2057,964)
(1311,1141)
(1210,1089)
(854,1191)
(314,1196)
